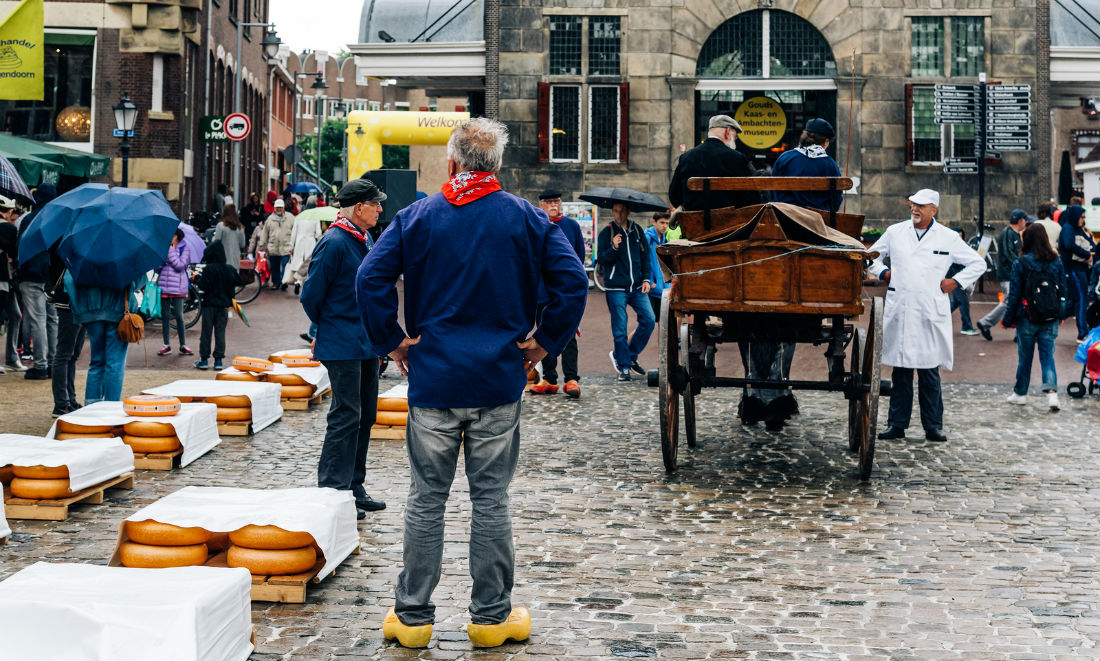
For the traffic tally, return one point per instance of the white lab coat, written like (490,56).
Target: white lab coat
(303,239)
(917,316)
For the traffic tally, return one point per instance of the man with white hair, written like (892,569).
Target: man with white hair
(473,258)
(717,156)
(917,317)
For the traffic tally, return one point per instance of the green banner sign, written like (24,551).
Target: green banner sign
(212,128)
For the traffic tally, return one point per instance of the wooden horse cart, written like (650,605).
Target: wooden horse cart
(758,274)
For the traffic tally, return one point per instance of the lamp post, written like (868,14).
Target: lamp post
(125,118)
(359,132)
(271,43)
(318,84)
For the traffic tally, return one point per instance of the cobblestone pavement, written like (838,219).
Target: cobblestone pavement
(762,546)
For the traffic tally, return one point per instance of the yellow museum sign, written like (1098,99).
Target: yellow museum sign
(763,122)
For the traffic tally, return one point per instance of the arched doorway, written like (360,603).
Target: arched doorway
(771,69)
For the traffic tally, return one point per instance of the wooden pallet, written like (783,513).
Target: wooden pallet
(289,589)
(58,509)
(386,432)
(158,461)
(235,428)
(303,403)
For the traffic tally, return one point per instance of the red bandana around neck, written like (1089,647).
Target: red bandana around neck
(345,224)
(466,187)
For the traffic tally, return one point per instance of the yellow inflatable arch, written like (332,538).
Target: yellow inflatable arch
(394,128)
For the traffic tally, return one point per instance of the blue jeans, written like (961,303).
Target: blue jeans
(1028,335)
(626,353)
(108,362)
(489,438)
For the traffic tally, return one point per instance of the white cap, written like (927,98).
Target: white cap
(279,203)
(6,202)
(925,196)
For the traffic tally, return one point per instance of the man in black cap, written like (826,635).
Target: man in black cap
(328,297)
(714,157)
(809,159)
(550,202)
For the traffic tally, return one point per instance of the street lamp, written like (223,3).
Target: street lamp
(318,84)
(125,118)
(270,43)
(360,133)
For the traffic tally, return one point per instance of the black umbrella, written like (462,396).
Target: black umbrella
(1065,179)
(637,201)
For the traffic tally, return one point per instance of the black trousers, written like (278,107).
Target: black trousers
(901,399)
(343,463)
(70,342)
(568,363)
(213,323)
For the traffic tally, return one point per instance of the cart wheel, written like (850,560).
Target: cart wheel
(855,405)
(668,399)
(1076,390)
(872,375)
(689,394)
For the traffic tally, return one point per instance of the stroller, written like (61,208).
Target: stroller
(1088,354)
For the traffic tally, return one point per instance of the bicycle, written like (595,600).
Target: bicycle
(989,250)
(251,283)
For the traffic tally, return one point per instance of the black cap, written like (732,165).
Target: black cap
(820,127)
(359,190)
(549,194)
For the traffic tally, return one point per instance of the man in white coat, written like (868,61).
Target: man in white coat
(917,317)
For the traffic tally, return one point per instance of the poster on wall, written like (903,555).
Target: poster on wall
(587,215)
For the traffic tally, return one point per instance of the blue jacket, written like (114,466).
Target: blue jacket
(656,278)
(572,231)
(89,304)
(472,277)
(812,163)
(1067,240)
(328,297)
(1014,304)
(626,267)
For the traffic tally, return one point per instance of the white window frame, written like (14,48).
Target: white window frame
(157,101)
(373,106)
(580,122)
(618,123)
(947,137)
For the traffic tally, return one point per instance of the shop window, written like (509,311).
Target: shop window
(926,47)
(64,114)
(967,46)
(565,45)
(930,143)
(766,44)
(604,45)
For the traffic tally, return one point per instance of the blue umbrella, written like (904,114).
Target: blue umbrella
(117,237)
(305,188)
(53,221)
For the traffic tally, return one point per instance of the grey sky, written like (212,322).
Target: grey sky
(328,25)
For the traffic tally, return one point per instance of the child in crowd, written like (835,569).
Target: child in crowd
(218,283)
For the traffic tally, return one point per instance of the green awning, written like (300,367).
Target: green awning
(34,170)
(73,162)
(321,183)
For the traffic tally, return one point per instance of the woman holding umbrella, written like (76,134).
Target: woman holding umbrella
(174,285)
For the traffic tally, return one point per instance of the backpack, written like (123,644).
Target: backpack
(1043,296)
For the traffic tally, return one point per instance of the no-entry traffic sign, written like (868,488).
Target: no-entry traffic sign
(237,126)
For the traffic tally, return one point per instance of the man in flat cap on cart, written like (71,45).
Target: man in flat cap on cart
(917,317)
(716,156)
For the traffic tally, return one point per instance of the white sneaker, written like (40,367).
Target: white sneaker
(1052,401)
(1017,399)
(17,366)
(614,365)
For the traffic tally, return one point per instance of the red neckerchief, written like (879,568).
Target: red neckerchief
(345,224)
(466,187)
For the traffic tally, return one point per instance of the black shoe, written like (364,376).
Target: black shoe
(750,410)
(60,410)
(892,433)
(790,406)
(637,368)
(624,375)
(35,374)
(775,414)
(297,288)
(360,514)
(283,287)
(935,435)
(369,504)
(306,336)
(984,330)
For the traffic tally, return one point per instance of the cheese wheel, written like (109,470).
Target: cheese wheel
(285,379)
(41,472)
(301,361)
(232,401)
(22,487)
(5,474)
(269,537)
(247,364)
(185,400)
(298,353)
(156,533)
(230,413)
(392,418)
(73,428)
(67,437)
(150,429)
(236,376)
(155,406)
(159,557)
(297,392)
(147,444)
(393,404)
(262,562)
(219,541)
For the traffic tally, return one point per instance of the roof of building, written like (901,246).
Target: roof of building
(422,20)
(1075,23)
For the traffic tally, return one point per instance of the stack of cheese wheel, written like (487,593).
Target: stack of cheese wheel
(5,474)
(392,411)
(40,482)
(68,430)
(155,545)
(247,369)
(271,551)
(146,436)
(278,358)
(150,406)
(294,386)
(301,361)
(232,408)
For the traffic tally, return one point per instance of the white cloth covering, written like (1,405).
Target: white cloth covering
(327,514)
(90,460)
(196,425)
(400,391)
(71,612)
(5,530)
(314,376)
(266,408)
(293,352)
